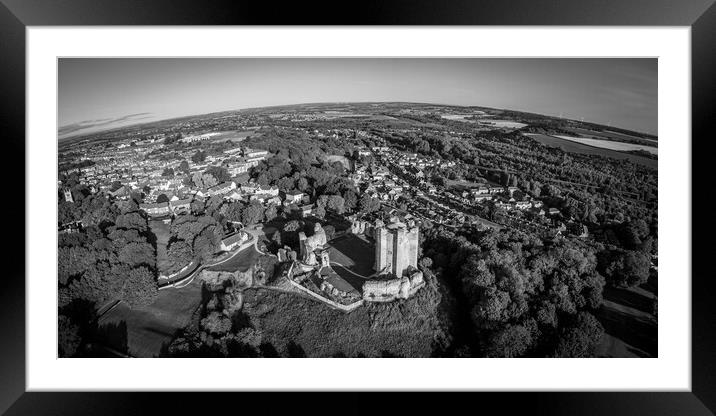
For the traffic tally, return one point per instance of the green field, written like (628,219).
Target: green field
(574,147)
(234,136)
(612,135)
(149,328)
(463,184)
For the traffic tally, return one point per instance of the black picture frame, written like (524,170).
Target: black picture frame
(700,15)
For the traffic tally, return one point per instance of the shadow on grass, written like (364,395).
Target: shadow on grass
(637,332)
(113,337)
(294,350)
(629,298)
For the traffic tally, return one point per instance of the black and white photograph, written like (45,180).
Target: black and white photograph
(361,207)
(229,198)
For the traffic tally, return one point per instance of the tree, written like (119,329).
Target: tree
(197,206)
(511,341)
(276,238)
(234,211)
(320,211)
(285,183)
(203,180)
(206,243)
(214,204)
(137,253)
(216,323)
(168,172)
(330,232)
(350,200)
(580,338)
(253,214)
(68,337)
(292,226)
(302,184)
(162,198)
(336,203)
(492,306)
(198,157)
(369,204)
(184,166)
(179,254)
(625,268)
(271,212)
(425,263)
(633,232)
(219,173)
(139,287)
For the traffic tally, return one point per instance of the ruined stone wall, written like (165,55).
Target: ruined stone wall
(392,289)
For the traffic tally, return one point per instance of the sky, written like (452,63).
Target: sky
(101,93)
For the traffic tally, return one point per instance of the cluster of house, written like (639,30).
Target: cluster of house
(417,162)
(135,171)
(504,197)
(231,192)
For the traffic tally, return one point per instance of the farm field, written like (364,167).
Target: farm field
(503,124)
(575,147)
(234,135)
(143,331)
(610,135)
(608,144)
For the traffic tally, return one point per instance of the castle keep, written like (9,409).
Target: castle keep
(396,248)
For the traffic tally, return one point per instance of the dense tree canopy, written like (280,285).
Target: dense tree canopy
(517,288)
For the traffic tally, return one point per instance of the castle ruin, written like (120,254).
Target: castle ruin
(396,248)
(309,245)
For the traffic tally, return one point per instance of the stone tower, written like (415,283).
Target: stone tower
(396,248)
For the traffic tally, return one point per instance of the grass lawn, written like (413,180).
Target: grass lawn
(150,327)
(241,261)
(630,327)
(161,231)
(463,184)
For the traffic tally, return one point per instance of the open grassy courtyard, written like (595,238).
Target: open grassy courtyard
(353,252)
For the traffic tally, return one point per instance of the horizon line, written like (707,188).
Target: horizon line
(332,102)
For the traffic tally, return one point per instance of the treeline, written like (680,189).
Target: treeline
(115,260)
(520,296)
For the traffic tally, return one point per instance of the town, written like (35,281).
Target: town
(348,207)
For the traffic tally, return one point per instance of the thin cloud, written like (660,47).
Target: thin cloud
(97,123)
